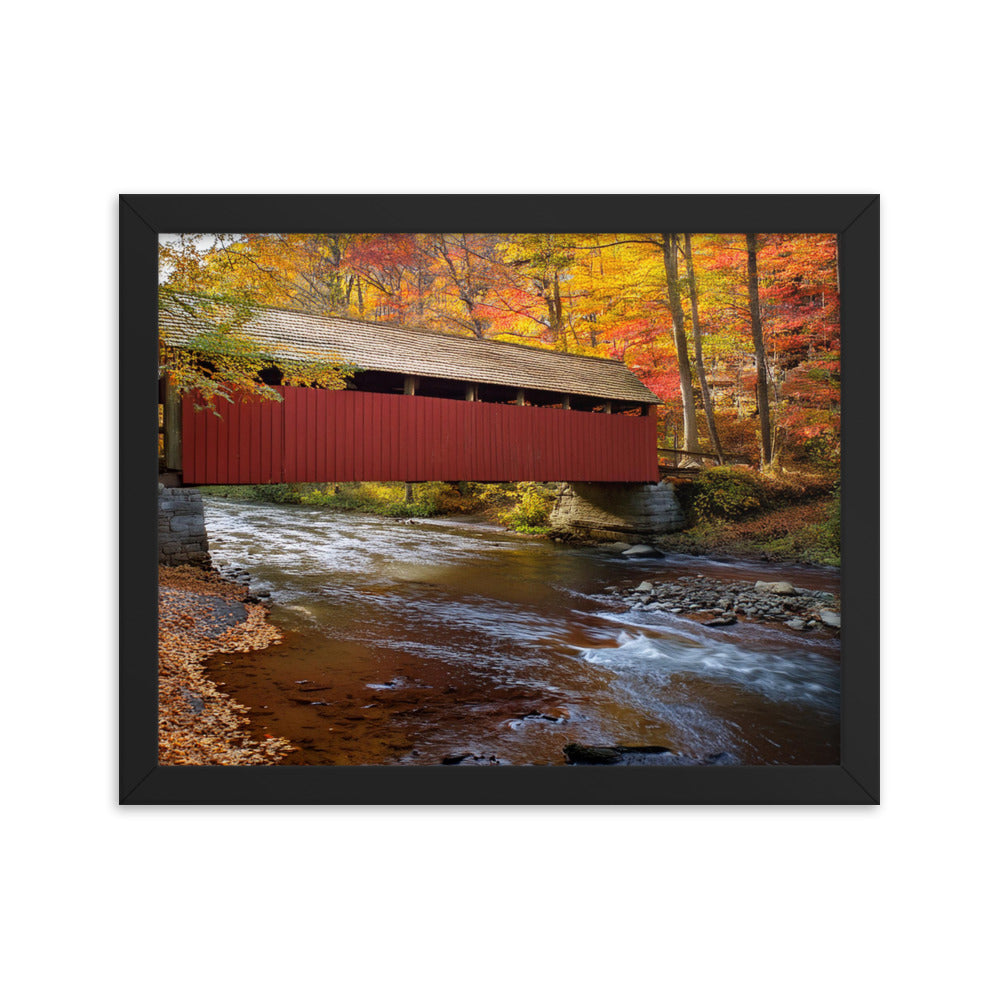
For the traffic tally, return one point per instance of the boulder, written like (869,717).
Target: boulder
(830,618)
(637,551)
(781,587)
(576,753)
(645,586)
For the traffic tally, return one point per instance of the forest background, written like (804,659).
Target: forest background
(739,334)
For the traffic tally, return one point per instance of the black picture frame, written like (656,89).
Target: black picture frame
(855,218)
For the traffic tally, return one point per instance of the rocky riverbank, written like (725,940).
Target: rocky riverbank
(718,603)
(200,614)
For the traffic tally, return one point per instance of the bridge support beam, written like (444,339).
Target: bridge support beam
(616,511)
(182,539)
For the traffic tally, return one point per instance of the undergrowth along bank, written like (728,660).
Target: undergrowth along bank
(522,507)
(747,514)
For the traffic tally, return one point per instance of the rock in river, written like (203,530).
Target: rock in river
(782,587)
(577,753)
(641,550)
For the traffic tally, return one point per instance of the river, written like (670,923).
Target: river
(412,643)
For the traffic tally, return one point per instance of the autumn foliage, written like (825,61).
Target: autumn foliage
(599,294)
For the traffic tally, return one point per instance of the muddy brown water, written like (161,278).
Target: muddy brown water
(409,643)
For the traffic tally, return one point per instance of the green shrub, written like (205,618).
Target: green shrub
(276,492)
(530,515)
(724,494)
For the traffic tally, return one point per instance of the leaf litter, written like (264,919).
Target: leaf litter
(200,614)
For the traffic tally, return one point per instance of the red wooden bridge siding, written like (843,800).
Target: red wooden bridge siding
(321,436)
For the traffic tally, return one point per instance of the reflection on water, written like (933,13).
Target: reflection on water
(411,642)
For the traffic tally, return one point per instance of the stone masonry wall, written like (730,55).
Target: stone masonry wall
(181,527)
(617,509)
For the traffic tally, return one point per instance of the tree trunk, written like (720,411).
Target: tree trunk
(706,393)
(763,406)
(680,342)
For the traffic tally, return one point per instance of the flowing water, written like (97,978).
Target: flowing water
(409,643)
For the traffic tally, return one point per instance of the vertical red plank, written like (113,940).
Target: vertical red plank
(255,438)
(218,421)
(506,470)
(244,419)
(187,465)
(579,423)
(479,427)
(364,437)
(350,436)
(329,442)
(593,446)
(496,433)
(427,444)
(235,421)
(477,422)
(573,432)
(446,440)
(531,442)
(213,458)
(265,441)
(345,400)
(481,422)
(289,461)
(403,437)
(315,436)
(412,410)
(287,436)
(378,438)
(371,423)
(290,432)
(511,451)
(442,438)
(315,451)
(354,437)
(490,438)
(449,439)
(516,450)
(338,430)
(228,442)
(329,429)
(236,440)
(302,434)
(555,423)
(433,440)
(309,433)
(545,439)
(278,439)
(304,430)
(386,438)
(408,408)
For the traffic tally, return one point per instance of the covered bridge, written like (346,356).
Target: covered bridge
(423,406)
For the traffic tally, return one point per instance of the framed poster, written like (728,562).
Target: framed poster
(400,708)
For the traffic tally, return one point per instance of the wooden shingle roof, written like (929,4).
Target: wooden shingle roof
(382,347)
